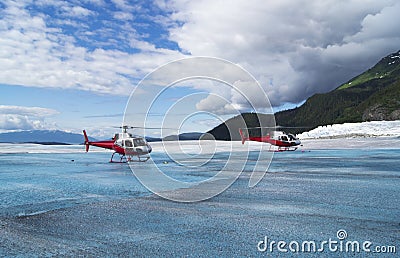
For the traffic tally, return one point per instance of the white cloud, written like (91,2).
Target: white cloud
(77,11)
(125,16)
(122,4)
(216,104)
(24,118)
(377,25)
(33,53)
(240,96)
(18,122)
(95,2)
(27,111)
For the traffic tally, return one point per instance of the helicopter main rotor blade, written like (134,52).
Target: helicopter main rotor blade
(142,127)
(278,126)
(155,128)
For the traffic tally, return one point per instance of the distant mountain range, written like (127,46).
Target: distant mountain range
(53,137)
(43,137)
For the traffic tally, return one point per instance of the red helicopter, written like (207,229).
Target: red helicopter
(125,144)
(284,141)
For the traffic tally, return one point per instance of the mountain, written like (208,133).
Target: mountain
(229,130)
(43,137)
(371,96)
(152,139)
(184,137)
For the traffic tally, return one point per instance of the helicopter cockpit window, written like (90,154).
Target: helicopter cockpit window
(284,138)
(128,143)
(139,142)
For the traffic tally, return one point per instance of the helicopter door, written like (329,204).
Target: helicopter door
(119,143)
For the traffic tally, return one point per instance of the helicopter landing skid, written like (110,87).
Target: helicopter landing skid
(282,149)
(124,159)
(139,159)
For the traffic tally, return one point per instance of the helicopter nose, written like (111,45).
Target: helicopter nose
(143,150)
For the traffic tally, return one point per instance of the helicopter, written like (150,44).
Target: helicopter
(284,141)
(124,144)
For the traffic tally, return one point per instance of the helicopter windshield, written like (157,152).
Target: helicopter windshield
(139,142)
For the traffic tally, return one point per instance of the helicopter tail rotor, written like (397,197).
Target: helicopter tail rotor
(242,136)
(86,141)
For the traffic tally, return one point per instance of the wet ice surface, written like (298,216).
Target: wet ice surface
(309,194)
(38,182)
(38,178)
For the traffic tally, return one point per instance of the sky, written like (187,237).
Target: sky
(73,65)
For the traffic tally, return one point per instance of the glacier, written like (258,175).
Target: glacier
(364,129)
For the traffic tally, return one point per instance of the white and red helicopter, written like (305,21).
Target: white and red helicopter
(284,141)
(125,144)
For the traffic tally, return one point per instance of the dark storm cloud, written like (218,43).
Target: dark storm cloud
(294,48)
